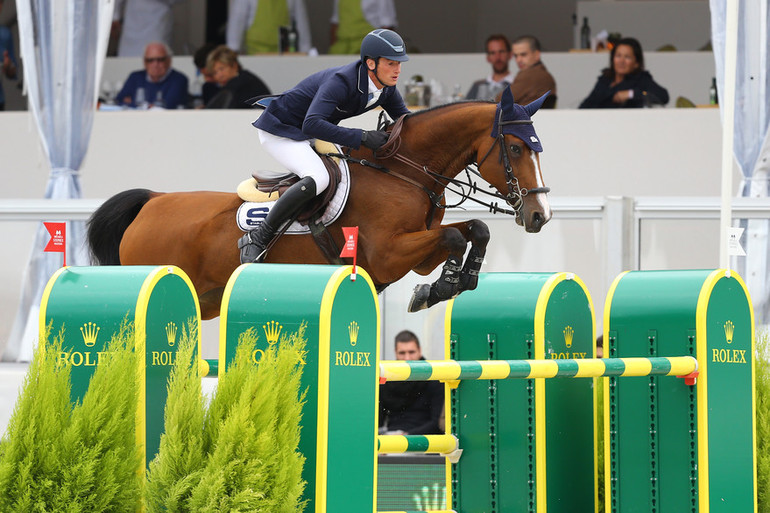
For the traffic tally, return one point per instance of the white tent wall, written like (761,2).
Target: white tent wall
(744,70)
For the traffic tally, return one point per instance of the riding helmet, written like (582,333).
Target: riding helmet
(383,43)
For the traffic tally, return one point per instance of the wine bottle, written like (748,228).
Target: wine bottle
(585,35)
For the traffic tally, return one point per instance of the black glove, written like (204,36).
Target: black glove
(374,139)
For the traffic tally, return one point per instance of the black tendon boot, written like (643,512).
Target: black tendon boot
(253,244)
(446,287)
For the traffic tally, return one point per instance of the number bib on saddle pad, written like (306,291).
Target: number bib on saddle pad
(250,215)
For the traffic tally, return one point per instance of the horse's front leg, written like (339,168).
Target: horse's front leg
(478,235)
(448,284)
(454,278)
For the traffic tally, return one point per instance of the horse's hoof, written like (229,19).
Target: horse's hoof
(420,297)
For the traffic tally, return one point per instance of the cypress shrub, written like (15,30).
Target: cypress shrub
(247,439)
(82,458)
(30,461)
(181,455)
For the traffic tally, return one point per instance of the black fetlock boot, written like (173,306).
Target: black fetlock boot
(253,244)
(446,287)
(469,276)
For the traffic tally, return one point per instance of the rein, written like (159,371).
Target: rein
(514,198)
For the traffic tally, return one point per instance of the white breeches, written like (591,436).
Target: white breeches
(296,156)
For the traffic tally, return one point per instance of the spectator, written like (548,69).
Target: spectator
(259,22)
(533,80)
(353,19)
(9,59)
(157,84)
(237,84)
(204,78)
(141,22)
(499,55)
(625,84)
(410,407)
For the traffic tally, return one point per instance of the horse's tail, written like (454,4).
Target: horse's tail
(108,223)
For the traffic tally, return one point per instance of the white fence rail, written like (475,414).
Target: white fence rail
(596,237)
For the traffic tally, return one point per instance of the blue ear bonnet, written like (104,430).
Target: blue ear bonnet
(515,119)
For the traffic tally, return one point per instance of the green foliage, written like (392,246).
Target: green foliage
(246,443)
(31,459)
(763,421)
(60,458)
(172,477)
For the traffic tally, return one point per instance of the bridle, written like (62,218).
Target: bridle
(515,196)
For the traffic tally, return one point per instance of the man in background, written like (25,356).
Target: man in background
(157,85)
(498,49)
(410,407)
(533,80)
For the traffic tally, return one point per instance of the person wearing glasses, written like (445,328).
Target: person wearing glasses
(157,85)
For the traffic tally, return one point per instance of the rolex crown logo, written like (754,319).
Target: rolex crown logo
(89,331)
(729,330)
(353,331)
(568,334)
(272,331)
(171,333)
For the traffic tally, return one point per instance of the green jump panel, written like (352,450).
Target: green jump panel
(528,444)
(670,446)
(89,304)
(340,372)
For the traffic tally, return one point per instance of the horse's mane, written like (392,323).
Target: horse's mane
(446,106)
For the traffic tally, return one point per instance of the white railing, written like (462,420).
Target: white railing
(618,243)
(621,216)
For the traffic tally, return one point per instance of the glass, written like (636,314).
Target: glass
(140,100)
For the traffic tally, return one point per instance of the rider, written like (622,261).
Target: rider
(312,109)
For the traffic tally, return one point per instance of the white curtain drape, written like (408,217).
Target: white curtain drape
(63,45)
(751,141)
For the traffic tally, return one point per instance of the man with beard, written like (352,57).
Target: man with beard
(499,55)
(410,407)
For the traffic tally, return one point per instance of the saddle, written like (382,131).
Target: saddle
(260,190)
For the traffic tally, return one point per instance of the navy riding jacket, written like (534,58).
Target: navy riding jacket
(314,107)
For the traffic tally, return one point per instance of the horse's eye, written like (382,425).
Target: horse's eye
(516,150)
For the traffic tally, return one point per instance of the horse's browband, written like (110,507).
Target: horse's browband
(516,122)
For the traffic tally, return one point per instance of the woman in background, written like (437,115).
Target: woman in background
(625,84)
(238,84)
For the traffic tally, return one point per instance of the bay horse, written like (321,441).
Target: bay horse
(396,200)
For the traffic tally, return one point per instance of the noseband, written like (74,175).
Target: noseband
(515,196)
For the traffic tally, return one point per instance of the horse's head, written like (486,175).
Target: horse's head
(515,173)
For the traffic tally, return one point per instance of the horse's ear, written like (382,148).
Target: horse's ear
(534,106)
(506,100)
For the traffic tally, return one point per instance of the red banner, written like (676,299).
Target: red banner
(58,242)
(58,233)
(351,242)
(351,246)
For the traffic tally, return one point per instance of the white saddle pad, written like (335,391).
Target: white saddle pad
(250,215)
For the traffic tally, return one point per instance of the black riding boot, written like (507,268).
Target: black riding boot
(253,244)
